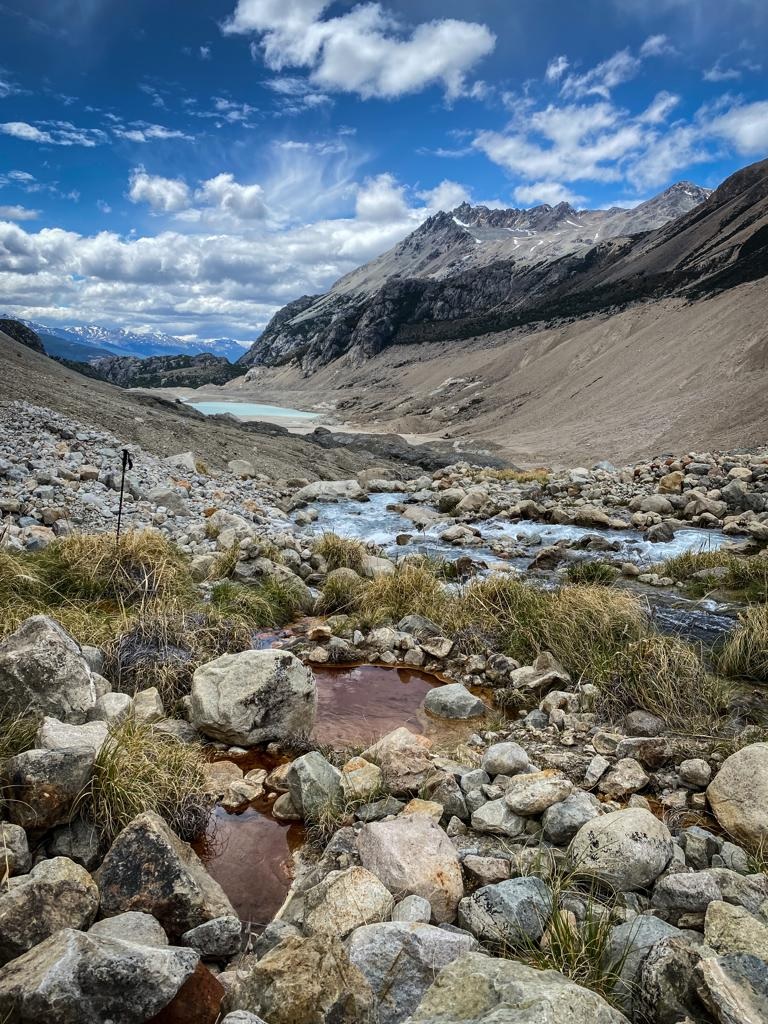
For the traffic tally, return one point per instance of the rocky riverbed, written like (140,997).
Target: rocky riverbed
(462,824)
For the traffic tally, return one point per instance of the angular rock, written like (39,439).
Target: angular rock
(314,784)
(55,735)
(41,786)
(667,987)
(533,793)
(496,819)
(729,929)
(345,900)
(15,858)
(509,913)
(628,946)
(253,697)
(118,974)
(111,708)
(738,795)
(626,776)
(691,893)
(42,669)
(217,939)
(412,910)
(400,961)
(504,759)
(403,758)
(626,849)
(55,894)
(478,989)
(735,988)
(453,700)
(78,840)
(412,855)
(149,869)
(302,981)
(563,820)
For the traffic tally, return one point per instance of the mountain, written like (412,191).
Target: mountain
(178,371)
(92,341)
(455,265)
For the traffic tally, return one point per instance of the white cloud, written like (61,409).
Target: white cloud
(550,192)
(143,132)
(27,132)
(446,196)
(103,206)
(54,133)
(605,76)
(245,202)
(164,195)
(657,46)
(556,68)
(744,126)
(205,53)
(364,51)
(18,213)
(381,199)
(660,108)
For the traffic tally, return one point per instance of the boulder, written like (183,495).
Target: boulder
(360,779)
(735,988)
(478,989)
(508,913)
(496,819)
(625,777)
(412,855)
(15,858)
(55,894)
(400,960)
(345,900)
(41,786)
(253,697)
(544,675)
(738,795)
(126,972)
(328,490)
(531,794)
(504,759)
(453,700)
(171,498)
(729,929)
(314,784)
(149,869)
(217,939)
(55,735)
(302,981)
(148,705)
(413,910)
(111,708)
(403,758)
(625,849)
(667,989)
(563,820)
(691,893)
(42,670)
(628,946)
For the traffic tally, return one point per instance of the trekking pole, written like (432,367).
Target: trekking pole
(127,464)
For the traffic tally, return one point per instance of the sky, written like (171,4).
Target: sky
(190,167)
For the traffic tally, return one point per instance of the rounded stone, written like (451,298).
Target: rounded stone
(625,849)
(738,794)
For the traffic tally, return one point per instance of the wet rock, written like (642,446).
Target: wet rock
(242,1017)
(563,820)
(253,697)
(217,939)
(478,989)
(735,988)
(314,784)
(400,961)
(738,794)
(63,978)
(533,793)
(504,759)
(15,858)
(730,929)
(302,981)
(453,700)
(403,758)
(42,669)
(41,786)
(413,856)
(149,869)
(328,490)
(56,894)
(511,912)
(627,849)
(345,900)
(495,818)
(197,1001)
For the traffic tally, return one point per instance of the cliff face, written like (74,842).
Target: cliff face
(476,270)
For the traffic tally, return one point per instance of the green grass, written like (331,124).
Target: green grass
(341,593)
(598,573)
(745,651)
(340,552)
(748,576)
(139,769)
(412,588)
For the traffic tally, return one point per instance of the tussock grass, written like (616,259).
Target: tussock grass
(745,651)
(341,595)
(593,573)
(340,552)
(518,476)
(17,733)
(139,769)
(747,575)
(412,588)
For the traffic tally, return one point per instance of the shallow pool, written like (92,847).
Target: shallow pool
(251,410)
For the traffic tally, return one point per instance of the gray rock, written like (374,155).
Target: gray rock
(42,669)
(79,840)
(478,989)
(15,858)
(43,785)
(504,759)
(628,946)
(242,1017)
(403,758)
(730,929)
(735,988)
(453,700)
(508,913)
(412,855)
(667,986)
(55,894)
(412,910)
(314,784)
(345,900)
(495,818)
(148,705)
(149,869)
(400,961)
(111,708)
(692,893)
(253,697)
(217,939)
(738,795)
(643,723)
(55,735)
(532,793)
(76,977)
(563,820)
(627,849)
(443,789)
(169,497)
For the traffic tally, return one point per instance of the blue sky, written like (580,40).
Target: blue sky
(192,166)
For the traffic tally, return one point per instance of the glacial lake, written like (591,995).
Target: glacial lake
(251,410)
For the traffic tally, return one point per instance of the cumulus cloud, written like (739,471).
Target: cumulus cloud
(54,133)
(550,192)
(18,213)
(163,195)
(245,202)
(27,132)
(143,132)
(381,199)
(446,196)
(364,51)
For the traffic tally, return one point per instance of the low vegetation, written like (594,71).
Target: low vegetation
(340,552)
(140,769)
(518,476)
(17,733)
(593,573)
(703,571)
(745,651)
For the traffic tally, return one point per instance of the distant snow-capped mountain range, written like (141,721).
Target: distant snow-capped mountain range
(92,341)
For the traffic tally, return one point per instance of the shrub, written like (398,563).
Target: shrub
(340,552)
(139,769)
(598,573)
(745,651)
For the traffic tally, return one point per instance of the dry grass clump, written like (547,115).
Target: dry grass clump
(518,476)
(246,604)
(17,733)
(139,769)
(748,575)
(341,594)
(412,588)
(745,651)
(340,552)
(592,573)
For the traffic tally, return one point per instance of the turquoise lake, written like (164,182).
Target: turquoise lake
(250,410)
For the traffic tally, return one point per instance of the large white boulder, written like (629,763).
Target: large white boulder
(253,697)
(738,795)
(626,849)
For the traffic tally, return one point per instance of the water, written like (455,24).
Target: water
(251,410)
